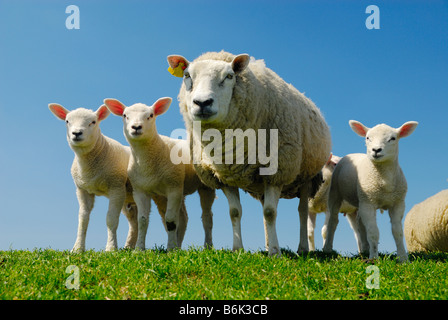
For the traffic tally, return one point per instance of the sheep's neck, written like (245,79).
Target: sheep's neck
(386,172)
(147,149)
(92,153)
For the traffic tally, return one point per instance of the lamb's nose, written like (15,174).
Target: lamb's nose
(136,128)
(203,104)
(77,134)
(376,150)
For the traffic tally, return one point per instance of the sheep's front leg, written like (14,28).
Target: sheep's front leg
(233,197)
(174,202)
(368,218)
(334,204)
(116,201)
(143,202)
(396,216)
(270,202)
(86,202)
(207,197)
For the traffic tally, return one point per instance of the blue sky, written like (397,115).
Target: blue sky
(391,75)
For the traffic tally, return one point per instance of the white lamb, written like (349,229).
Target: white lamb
(372,181)
(154,174)
(426,224)
(99,169)
(318,204)
(223,93)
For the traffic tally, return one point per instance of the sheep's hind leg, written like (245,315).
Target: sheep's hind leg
(86,202)
(396,216)
(233,197)
(303,217)
(116,201)
(270,202)
(311,227)
(130,211)
(207,197)
(368,218)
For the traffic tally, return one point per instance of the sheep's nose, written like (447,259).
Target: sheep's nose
(376,150)
(77,133)
(136,128)
(203,104)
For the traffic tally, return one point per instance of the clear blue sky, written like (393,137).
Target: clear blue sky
(391,75)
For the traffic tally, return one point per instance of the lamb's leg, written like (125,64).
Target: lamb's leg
(182,227)
(396,216)
(311,227)
(86,202)
(143,202)
(271,196)
(130,211)
(324,231)
(174,203)
(368,218)
(354,223)
(233,197)
(207,197)
(334,205)
(116,201)
(303,217)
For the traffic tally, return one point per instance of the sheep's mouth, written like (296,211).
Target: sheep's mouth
(203,114)
(377,156)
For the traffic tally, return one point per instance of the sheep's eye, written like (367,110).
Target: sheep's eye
(392,139)
(93,122)
(124,116)
(367,138)
(229,76)
(152,115)
(66,121)
(187,75)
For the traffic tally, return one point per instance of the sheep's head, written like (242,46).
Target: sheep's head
(82,124)
(138,119)
(382,140)
(208,85)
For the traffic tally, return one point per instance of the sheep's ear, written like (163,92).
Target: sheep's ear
(407,128)
(161,105)
(115,106)
(240,62)
(102,113)
(58,110)
(177,65)
(358,128)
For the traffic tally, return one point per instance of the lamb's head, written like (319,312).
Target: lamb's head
(382,140)
(138,119)
(82,124)
(208,85)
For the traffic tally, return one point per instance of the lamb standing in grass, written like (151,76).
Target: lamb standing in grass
(318,204)
(372,181)
(426,224)
(99,169)
(221,91)
(154,174)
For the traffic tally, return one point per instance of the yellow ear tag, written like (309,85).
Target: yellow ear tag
(178,71)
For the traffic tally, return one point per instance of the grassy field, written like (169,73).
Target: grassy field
(197,274)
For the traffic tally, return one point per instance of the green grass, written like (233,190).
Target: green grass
(197,274)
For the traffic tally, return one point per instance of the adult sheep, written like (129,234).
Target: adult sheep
(426,224)
(226,95)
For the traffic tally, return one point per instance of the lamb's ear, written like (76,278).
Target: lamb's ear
(407,128)
(58,110)
(177,65)
(102,113)
(240,62)
(358,128)
(161,105)
(115,106)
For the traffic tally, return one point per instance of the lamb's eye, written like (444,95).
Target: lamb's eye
(367,138)
(229,76)
(150,116)
(93,122)
(66,121)
(124,116)
(392,139)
